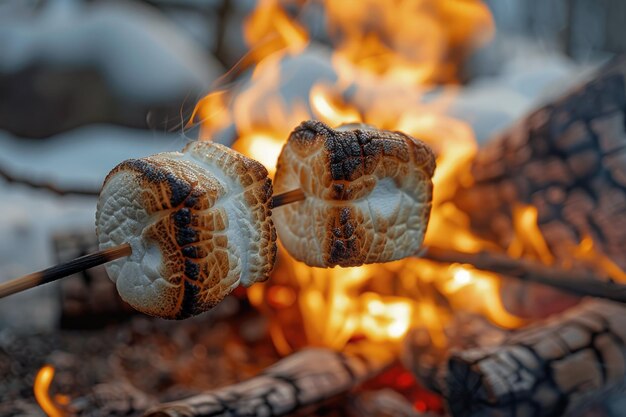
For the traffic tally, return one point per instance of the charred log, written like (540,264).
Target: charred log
(426,356)
(568,159)
(298,382)
(549,369)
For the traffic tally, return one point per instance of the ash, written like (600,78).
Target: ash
(123,369)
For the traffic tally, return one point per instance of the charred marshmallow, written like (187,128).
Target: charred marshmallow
(368,194)
(198,222)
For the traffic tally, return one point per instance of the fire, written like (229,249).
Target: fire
(413,41)
(43,380)
(269,29)
(586,252)
(383,62)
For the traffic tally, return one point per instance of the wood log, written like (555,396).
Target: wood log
(550,369)
(568,159)
(425,355)
(299,381)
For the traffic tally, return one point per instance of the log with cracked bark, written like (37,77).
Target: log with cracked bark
(567,159)
(295,383)
(425,354)
(550,369)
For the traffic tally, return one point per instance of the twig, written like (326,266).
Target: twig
(575,281)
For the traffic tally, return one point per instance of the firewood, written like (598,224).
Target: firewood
(567,159)
(425,355)
(549,369)
(302,380)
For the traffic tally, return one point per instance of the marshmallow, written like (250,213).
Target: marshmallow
(367,193)
(198,222)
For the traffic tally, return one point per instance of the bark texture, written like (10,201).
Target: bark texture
(549,369)
(568,159)
(299,381)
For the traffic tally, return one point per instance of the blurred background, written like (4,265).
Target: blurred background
(87,84)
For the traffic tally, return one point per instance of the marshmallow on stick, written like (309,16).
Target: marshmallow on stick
(367,194)
(198,222)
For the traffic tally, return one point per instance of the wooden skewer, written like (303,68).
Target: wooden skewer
(100,257)
(62,270)
(574,281)
(287,197)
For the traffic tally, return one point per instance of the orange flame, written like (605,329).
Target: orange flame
(384,59)
(269,29)
(43,380)
(587,252)
(413,41)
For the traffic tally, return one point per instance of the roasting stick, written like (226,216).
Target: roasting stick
(68,268)
(578,282)
(64,269)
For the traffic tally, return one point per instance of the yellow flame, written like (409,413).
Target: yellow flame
(412,41)
(269,29)
(42,392)
(587,252)
(263,146)
(528,239)
(384,318)
(385,57)
(330,109)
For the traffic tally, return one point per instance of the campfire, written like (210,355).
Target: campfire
(514,306)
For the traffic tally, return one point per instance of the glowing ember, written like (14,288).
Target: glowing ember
(42,392)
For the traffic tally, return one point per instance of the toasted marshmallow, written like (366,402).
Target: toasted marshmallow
(367,193)
(198,222)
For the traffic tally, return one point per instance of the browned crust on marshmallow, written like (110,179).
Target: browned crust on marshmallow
(188,222)
(338,169)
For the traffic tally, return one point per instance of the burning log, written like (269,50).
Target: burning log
(299,381)
(425,354)
(567,159)
(549,369)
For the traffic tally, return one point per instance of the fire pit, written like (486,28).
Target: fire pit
(515,306)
